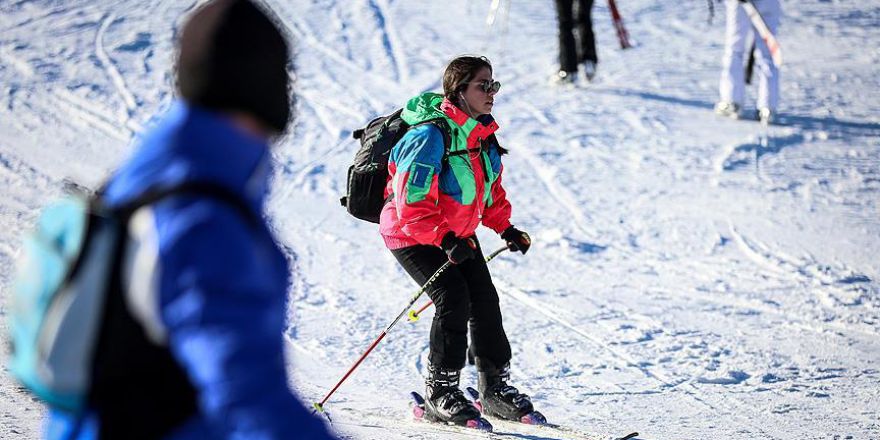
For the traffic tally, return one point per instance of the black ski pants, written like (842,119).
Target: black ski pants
(569,55)
(462,295)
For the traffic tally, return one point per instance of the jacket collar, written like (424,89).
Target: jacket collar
(475,130)
(192,144)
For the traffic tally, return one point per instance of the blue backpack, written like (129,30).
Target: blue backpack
(64,279)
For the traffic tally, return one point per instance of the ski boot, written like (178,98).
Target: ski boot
(498,399)
(727,110)
(765,116)
(589,70)
(446,403)
(563,78)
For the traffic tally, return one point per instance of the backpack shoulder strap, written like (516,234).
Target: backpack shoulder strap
(493,140)
(443,126)
(207,189)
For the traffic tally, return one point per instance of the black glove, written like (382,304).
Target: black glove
(458,249)
(516,240)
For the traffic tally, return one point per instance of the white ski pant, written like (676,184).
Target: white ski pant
(739,33)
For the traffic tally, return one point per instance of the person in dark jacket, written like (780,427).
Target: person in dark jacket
(435,203)
(573,14)
(193,348)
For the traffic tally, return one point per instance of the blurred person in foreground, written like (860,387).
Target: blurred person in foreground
(195,346)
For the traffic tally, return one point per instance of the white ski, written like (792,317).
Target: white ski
(764,31)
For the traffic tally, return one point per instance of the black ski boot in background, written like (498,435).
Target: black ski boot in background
(499,399)
(444,401)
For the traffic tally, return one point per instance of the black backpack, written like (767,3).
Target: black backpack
(368,174)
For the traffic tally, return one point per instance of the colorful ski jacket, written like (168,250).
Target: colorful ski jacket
(209,283)
(434,191)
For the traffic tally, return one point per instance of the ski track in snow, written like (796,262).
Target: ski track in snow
(118,81)
(555,316)
(390,39)
(690,276)
(732,405)
(838,287)
(304,33)
(547,174)
(90,116)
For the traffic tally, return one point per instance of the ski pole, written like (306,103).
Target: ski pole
(622,35)
(493,11)
(711,11)
(750,65)
(414,314)
(319,406)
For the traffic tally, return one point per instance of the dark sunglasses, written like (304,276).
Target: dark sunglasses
(489,85)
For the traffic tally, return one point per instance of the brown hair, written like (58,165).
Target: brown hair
(459,72)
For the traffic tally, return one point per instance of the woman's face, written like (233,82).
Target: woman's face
(478,101)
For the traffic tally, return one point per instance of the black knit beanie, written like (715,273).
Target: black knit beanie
(233,56)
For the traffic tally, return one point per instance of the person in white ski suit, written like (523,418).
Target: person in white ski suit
(739,31)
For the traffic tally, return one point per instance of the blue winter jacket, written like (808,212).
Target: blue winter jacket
(217,293)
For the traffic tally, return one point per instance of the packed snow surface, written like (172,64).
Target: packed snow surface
(691,276)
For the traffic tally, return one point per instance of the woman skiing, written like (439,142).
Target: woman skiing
(436,199)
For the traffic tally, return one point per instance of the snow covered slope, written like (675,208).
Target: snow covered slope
(691,276)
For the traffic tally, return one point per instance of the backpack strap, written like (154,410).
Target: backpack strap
(443,126)
(490,140)
(208,189)
(122,339)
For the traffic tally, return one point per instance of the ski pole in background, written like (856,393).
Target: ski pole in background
(750,65)
(414,314)
(493,33)
(493,12)
(622,35)
(711,11)
(319,406)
